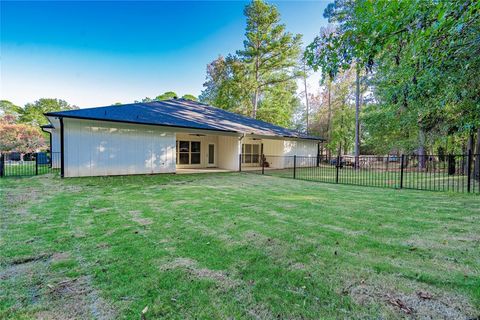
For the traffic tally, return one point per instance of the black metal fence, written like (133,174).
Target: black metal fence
(30,164)
(458,173)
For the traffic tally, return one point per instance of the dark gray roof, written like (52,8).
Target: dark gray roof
(183,114)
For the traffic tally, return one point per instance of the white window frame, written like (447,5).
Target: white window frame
(189,152)
(248,153)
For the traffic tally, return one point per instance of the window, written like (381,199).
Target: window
(188,152)
(251,153)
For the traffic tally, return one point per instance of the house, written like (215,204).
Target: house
(167,136)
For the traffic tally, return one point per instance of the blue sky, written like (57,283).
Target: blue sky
(97,53)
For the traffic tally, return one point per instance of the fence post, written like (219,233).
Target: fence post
(2,165)
(263,163)
(36,164)
(338,168)
(294,166)
(469,170)
(240,162)
(402,161)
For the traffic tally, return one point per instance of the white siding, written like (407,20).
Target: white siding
(95,148)
(228,152)
(279,153)
(56,148)
(306,148)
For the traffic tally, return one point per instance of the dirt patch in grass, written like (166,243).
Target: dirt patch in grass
(57,299)
(425,303)
(75,299)
(22,267)
(60,256)
(101,210)
(221,278)
(272,247)
(345,231)
(136,216)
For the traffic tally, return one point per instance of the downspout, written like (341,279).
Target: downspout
(50,140)
(62,150)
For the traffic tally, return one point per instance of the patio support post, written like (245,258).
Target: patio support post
(240,162)
(36,163)
(62,150)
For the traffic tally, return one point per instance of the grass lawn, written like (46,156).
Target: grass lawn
(234,245)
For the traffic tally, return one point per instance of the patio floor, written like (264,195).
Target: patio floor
(215,170)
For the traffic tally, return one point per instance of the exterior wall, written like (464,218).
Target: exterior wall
(56,163)
(279,153)
(303,149)
(229,150)
(204,142)
(96,148)
(306,148)
(273,151)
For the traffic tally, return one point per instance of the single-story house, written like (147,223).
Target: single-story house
(166,136)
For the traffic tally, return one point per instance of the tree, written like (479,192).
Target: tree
(32,113)
(226,86)
(270,53)
(8,108)
(166,96)
(189,97)
(268,65)
(21,138)
(423,59)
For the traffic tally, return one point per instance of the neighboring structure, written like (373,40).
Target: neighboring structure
(161,137)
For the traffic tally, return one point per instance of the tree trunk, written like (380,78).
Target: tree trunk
(306,94)
(477,157)
(421,148)
(357,119)
(470,148)
(255,104)
(329,104)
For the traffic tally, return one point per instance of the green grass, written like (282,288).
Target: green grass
(234,245)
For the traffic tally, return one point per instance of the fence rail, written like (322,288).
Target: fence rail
(15,164)
(458,173)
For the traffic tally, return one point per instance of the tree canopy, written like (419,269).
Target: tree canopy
(422,60)
(19,137)
(260,79)
(32,113)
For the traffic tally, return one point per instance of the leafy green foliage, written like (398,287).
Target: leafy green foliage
(267,65)
(8,108)
(32,113)
(423,58)
(166,96)
(190,97)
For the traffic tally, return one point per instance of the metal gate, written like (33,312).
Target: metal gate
(15,164)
